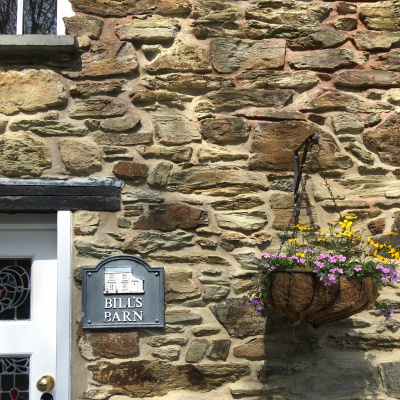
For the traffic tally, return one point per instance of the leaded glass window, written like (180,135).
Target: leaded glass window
(15,288)
(14,378)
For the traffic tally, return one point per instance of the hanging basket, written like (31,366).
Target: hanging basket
(302,296)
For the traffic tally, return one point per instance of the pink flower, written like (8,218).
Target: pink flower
(358,268)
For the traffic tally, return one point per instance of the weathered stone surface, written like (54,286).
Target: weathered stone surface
(187,81)
(321,193)
(377,226)
(215,154)
(156,378)
(248,260)
(277,79)
(179,285)
(344,7)
(95,250)
(234,99)
(182,316)
(149,241)
(181,57)
(389,61)
(389,372)
(393,95)
(345,24)
(270,114)
(212,280)
(239,321)
(205,243)
(362,341)
(84,25)
(175,130)
(380,16)
(106,59)
(49,128)
(79,158)
(141,195)
(289,13)
(212,293)
(130,170)
(160,30)
(89,88)
(227,130)
(360,152)
(159,174)
(170,353)
(125,124)
(214,10)
(86,218)
(230,54)
(122,8)
(21,155)
(372,120)
(171,216)
(237,203)
(230,241)
(99,107)
(327,60)
(374,40)
(175,153)
(3,125)
(206,330)
(242,221)
(201,178)
(347,123)
(151,101)
(260,348)
(123,139)
(197,350)
(30,90)
(166,340)
(367,78)
(383,138)
(201,258)
(268,370)
(219,349)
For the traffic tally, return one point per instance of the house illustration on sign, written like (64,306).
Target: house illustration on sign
(121,280)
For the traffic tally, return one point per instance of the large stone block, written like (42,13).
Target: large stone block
(86,25)
(176,153)
(362,341)
(21,155)
(123,139)
(130,170)
(90,88)
(30,90)
(215,154)
(390,378)
(179,285)
(228,130)
(99,107)
(249,221)
(197,350)
(375,40)
(49,128)
(175,130)
(367,78)
(218,10)
(230,54)
(126,124)
(380,16)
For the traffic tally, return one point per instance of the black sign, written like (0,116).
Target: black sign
(122,291)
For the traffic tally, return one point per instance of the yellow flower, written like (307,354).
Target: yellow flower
(293,240)
(391,233)
(300,255)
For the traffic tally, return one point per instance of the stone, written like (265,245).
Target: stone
(212,280)
(30,90)
(218,349)
(212,293)
(89,88)
(96,107)
(377,227)
(230,54)
(191,258)
(181,57)
(277,79)
(160,30)
(205,330)
(201,178)
(49,127)
(171,216)
(389,372)
(234,99)
(152,100)
(380,16)
(345,24)
(248,260)
(104,60)
(228,130)
(159,174)
(230,241)
(96,250)
(247,221)
(367,78)
(389,61)
(343,7)
(214,10)
(21,155)
(86,222)
(83,42)
(372,120)
(166,340)
(170,353)
(123,139)
(268,369)
(80,159)
(212,271)
(362,341)
(393,95)
(383,138)
(188,81)
(179,285)
(197,350)
(124,124)
(289,13)
(239,321)
(122,8)
(347,123)
(375,40)
(176,153)
(156,378)
(270,114)
(149,241)
(237,203)
(130,170)
(80,25)
(360,152)
(261,348)
(175,130)
(195,303)
(3,125)
(215,154)
(151,50)
(141,195)
(180,316)
(327,60)
(321,192)
(95,345)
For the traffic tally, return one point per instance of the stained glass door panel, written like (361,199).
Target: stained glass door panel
(28,300)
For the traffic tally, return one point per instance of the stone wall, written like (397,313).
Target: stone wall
(197,105)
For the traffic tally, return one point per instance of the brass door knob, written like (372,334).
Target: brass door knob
(45,383)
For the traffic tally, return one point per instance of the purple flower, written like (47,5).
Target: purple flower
(358,268)
(244,297)
(258,309)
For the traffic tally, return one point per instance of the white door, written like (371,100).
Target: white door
(29,305)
